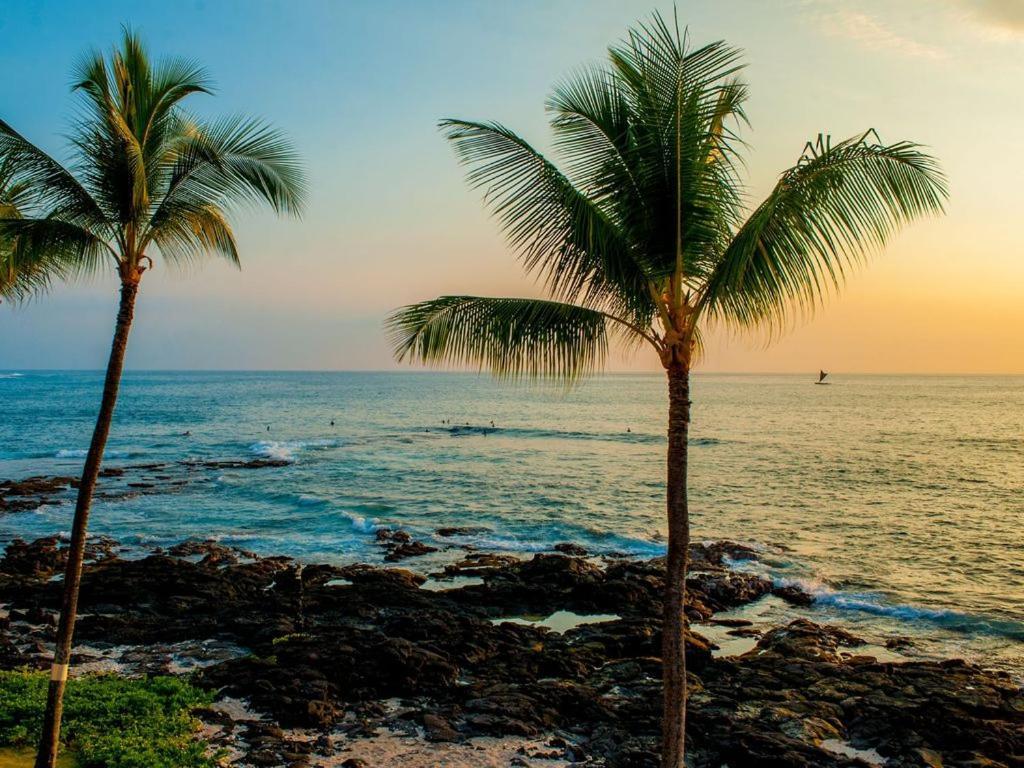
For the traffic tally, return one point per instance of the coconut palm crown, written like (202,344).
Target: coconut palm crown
(147,178)
(643,232)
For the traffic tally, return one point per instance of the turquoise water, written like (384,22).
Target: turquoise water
(898,500)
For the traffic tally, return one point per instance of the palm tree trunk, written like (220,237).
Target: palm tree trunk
(673,640)
(47,757)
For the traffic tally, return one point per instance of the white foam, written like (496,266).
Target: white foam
(274,449)
(81,453)
(364,524)
(288,450)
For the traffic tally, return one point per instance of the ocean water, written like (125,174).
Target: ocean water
(898,500)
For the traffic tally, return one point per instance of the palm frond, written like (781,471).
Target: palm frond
(558,230)
(513,338)
(839,203)
(38,252)
(53,187)
(593,132)
(189,233)
(233,161)
(16,194)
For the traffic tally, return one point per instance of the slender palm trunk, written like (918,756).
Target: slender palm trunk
(673,641)
(47,757)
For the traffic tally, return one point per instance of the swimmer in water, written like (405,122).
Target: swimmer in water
(332,422)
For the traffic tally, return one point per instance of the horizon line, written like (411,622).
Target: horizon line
(595,375)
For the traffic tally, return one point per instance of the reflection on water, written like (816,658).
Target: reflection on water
(559,621)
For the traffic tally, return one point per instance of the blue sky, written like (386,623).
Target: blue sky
(360,86)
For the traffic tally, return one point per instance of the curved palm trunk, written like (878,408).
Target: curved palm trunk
(673,641)
(47,757)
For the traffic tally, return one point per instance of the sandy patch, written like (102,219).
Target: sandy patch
(393,749)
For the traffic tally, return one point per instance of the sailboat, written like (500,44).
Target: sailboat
(821,378)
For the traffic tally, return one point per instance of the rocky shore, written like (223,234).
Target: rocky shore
(318,665)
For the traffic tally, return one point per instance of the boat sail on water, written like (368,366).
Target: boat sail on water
(821,378)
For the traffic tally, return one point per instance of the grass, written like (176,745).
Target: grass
(24,757)
(109,721)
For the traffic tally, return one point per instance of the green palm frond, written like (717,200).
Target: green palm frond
(513,338)
(54,187)
(144,173)
(38,252)
(826,213)
(191,233)
(233,161)
(16,194)
(557,229)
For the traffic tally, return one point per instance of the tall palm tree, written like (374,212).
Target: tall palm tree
(147,178)
(642,233)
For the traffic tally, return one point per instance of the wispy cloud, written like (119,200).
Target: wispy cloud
(871,32)
(1003,17)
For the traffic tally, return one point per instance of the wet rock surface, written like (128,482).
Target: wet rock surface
(399,545)
(342,653)
(119,483)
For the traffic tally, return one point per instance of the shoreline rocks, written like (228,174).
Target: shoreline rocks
(347,653)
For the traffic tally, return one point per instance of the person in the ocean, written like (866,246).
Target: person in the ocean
(187,433)
(492,423)
(268,427)
(628,429)
(332,422)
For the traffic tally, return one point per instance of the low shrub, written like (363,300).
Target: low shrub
(109,721)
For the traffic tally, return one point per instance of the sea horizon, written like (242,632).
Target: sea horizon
(698,372)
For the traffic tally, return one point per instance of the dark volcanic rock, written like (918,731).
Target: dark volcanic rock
(308,677)
(793,595)
(571,549)
(211,552)
(32,492)
(461,530)
(117,483)
(330,645)
(400,545)
(47,557)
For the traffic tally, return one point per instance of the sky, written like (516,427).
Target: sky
(359,86)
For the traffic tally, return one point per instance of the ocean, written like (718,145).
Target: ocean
(897,500)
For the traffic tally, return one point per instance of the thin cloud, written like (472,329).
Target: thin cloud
(870,32)
(1005,17)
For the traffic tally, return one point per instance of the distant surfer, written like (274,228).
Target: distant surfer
(187,433)
(628,430)
(332,422)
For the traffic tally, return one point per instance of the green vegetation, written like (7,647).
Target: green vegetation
(643,232)
(109,721)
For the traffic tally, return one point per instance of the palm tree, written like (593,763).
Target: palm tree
(147,177)
(642,234)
